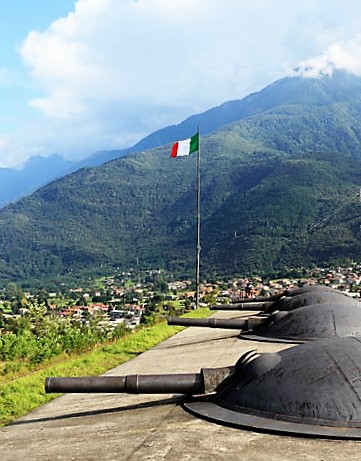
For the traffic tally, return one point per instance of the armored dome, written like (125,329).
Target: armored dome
(318,296)
(309,289)
(291,299)
(312,389)
(310,323)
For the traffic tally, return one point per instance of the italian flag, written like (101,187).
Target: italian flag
(185,147)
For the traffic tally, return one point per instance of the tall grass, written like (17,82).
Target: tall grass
(22,391)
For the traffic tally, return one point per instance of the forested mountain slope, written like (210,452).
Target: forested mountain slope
(279,189)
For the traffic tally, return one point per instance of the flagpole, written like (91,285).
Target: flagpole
(198,244)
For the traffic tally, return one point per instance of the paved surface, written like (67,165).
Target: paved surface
(155,427)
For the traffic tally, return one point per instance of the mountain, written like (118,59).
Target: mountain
(297,91)
(279,190)
(37,171)
(290,93)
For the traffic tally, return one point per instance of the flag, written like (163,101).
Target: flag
(185,147)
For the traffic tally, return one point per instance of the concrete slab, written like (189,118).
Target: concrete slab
(155,427)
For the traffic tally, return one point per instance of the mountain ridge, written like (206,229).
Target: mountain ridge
(18,182)
(267,180)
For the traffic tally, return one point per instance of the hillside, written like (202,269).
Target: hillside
(279,190)
(287,93)
(38,171)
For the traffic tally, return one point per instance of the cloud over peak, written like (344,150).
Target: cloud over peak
(113,71)
(338,56)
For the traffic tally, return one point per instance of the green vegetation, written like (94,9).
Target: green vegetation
(22,386)
(278,191)
(37,337)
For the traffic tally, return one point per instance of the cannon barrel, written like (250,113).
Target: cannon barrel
(255,306)
(259,299)
(232,324)
(291,391)
(287,303)
(289,293)
(205,382)
(306,323)
(307,294)
(131,384)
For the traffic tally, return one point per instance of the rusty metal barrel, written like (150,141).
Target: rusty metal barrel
(206,381)
(231,324)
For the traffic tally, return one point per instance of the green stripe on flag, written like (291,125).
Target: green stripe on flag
(194,144)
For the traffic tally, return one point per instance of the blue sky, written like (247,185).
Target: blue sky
(77,76)
(16,20)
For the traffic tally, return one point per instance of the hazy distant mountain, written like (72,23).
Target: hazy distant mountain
(279,190)
(37,171)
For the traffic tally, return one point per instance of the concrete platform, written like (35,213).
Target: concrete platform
(155,427)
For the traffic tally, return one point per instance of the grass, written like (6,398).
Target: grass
(21,391)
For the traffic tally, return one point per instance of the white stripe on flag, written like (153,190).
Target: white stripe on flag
(183,147)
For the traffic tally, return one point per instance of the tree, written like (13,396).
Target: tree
(37,315)
(42,297)
(20,302)
(160,285)
(211,298)
(11,291)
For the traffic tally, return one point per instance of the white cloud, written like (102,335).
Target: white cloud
(182,55)
(113,71)
(342,55)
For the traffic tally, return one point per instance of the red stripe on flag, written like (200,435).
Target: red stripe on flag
(174,150)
